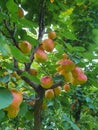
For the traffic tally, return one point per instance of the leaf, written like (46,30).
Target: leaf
(32,40)
(65,118)
(5,98)
(88,99)
(5,79)
(29,115)
(23,109)
(31,77)
(80,49)
(70,35)
(26,23)
(69,47)
(4,48)
(58,78)
(12,7)
(2,115)
(19,55)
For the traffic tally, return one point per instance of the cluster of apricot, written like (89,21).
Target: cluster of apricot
(46,45)
(71,72)
(14,107)
(40,55)
(47,82)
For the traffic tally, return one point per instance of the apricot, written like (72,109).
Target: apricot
(20,12)
(14,74)
(68,77)
(66,87)
(65,56)
(33,71)
(52,35)
(49,93)
(77,70)
(19,128)
(57,90)
(40,56)
(75,82)
(25,46)
(46,81)
(12,113)
(17,98)
(82,78)
(48,45)
(67,64)
(13,108)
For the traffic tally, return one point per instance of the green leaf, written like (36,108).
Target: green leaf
(19,55)
(12,7)
(31,77)
(32,40)
(4,48)
(65,118)
(26,23)
(2,115)
(5,79)
(70,35)
(29,115)
(5,98)
(80,49)
(23,109)
(58,78)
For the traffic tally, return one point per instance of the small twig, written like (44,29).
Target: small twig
(27,65)
(60,83)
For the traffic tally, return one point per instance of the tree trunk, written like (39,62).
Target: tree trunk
(37,114)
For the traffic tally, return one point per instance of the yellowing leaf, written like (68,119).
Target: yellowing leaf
(51,1)
(68,11)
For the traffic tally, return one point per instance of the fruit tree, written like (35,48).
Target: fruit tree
(48,64)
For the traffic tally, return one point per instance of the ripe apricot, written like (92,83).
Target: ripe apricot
(52,35)
(25,46)
(77,70)
(40,56)
(46,81)
(57,90)
(67,64)
(66,87)
(33,71)
(65,56)
(13,108)
(49,93)
(48,45)
(12,113)
(82,78)
(20,12)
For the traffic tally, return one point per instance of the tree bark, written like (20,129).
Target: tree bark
(37,114)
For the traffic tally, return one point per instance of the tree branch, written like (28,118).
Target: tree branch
(60,83)
(11,32)
(42,20)
(41,32)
